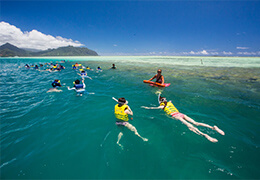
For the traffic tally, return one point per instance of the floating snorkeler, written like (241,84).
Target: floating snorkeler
(55,84)
(122,110)
(99,69)
(170,109)
(83,74)
(78,87)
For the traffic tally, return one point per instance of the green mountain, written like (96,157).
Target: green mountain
(9,50)
(66,51)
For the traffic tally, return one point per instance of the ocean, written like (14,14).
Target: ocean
(60,135)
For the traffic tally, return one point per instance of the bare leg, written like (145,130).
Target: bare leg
(194,129)
(119,137)
(203,124)
(132,128)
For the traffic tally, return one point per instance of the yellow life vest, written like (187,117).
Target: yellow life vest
(120,112)
(170,108)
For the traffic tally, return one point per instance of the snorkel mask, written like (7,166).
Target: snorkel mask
(161,99)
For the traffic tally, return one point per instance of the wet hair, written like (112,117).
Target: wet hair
(159,70)
(121,101)
(83,71)
(77,81)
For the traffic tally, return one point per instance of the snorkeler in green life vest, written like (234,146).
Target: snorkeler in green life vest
(122,110)
(171,110)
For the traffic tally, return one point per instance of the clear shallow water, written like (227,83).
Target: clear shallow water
(59,135)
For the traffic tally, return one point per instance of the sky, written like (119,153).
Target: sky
(127,27)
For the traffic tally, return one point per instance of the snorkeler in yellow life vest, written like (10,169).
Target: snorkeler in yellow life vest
(120,112)
(169,108)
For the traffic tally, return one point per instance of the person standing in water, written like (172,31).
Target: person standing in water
(170,109)
(113,66)
(159,77)
(122,110)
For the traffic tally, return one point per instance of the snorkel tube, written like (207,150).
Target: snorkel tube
(159,96)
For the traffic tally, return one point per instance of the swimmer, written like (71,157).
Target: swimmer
(55,67)
(113,66)
(83,74)
(74,67)
(170,109)
(79,88)
(99,69)
(27,66)
(122,110)
(159,77)
(55,84)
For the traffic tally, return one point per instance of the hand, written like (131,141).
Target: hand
(144,107)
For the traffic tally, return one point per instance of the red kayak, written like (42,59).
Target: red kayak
(157,84)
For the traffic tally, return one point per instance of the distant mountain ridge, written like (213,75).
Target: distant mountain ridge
(9,50)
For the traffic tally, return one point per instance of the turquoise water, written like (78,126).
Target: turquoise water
(64,136)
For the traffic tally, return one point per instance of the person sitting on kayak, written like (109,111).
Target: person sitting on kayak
(159,77)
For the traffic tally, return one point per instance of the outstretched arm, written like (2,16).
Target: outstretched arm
(70,88)
(159,107)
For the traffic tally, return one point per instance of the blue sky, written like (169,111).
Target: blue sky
(139,27)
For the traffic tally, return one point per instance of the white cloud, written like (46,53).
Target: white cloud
(33,39)
(242,47)
(115,45)
(227,53)
(249,53)
(203,52)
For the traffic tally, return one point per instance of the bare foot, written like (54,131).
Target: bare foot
(211,139)
(145,139)
(219,130)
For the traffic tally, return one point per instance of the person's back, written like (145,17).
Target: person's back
(169,108)
(120,113)
(56,83)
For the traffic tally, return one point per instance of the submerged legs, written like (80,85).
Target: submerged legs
(132,128)
(118,139)
(195,130)
(203,124)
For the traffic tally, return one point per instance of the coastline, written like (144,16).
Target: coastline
(158,61)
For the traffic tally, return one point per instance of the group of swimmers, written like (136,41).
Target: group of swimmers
(122,110)
(50,66)
(79,85)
